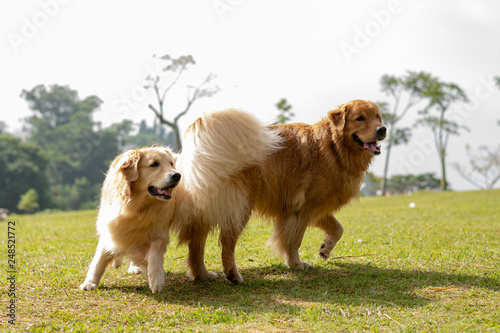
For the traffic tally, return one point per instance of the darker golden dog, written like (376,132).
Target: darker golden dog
(318,169)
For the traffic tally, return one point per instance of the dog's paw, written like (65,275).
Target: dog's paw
(234,278)
(326,248)
(134,270)
(324,253)
(88,286)
(301,265)
(208,275)
(156,286)
(156,278)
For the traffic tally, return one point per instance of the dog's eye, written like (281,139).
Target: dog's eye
(360,119)
(172,163)
(155,164)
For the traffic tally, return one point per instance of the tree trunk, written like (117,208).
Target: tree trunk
(177,138)
(444,183)
(442,151)
(383,184)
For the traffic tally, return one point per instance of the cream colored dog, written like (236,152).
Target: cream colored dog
(135,215)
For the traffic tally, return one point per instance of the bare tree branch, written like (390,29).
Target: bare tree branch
(160,117)
(178,66)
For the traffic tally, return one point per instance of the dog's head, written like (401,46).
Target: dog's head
(149,171)
(359,123)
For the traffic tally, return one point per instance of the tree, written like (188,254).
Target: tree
(29,202)
(406,92)
(55,108)
(177,67)
(22,166)
(62,125)
(441,96)
(485,167)
(284,112)
(75,146)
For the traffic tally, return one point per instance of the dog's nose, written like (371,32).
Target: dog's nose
(381,131)
(175,176)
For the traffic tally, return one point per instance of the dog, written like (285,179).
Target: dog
(144,194)
(135,215)
(317,169)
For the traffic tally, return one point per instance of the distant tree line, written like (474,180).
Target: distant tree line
(400,184)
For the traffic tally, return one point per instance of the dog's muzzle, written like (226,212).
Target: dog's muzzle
(165,192)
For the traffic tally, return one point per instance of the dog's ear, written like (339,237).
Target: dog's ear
(338,116)
(130,165)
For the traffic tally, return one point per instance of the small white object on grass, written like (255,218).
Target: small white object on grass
(412,205)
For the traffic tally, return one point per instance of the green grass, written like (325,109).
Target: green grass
(435,267)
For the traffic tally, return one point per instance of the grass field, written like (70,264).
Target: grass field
(435,267)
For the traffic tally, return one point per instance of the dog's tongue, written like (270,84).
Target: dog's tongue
(371,146)
(164,191)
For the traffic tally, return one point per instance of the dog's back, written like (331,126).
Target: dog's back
(306,176)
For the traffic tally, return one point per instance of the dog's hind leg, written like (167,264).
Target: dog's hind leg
(196,237)
(333,232)
(287,238)
(97,267)
(228,239)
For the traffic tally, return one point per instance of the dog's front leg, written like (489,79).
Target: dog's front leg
(97,267)
(156,272)
(333,232)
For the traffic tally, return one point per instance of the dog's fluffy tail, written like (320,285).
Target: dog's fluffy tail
(220,144)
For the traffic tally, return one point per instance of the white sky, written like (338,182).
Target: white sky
(261,51)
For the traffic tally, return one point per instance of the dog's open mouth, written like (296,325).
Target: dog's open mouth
(161,193)
(371,147)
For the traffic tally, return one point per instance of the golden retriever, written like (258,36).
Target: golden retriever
(139,205)
(134,215)
(318,169)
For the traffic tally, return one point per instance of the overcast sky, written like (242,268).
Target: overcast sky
(317,54)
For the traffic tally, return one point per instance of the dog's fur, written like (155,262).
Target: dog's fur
(139,203)
(318,170)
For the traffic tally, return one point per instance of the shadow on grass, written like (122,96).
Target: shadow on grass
(342,283)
